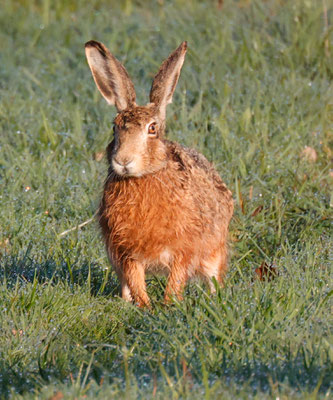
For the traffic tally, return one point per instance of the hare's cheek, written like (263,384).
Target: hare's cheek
(138,167)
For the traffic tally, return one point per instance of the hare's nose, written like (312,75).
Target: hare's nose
(122,161)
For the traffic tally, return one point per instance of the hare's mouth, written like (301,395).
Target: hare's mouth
(125,169)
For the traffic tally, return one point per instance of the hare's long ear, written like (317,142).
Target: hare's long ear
(110,76)
(165,81)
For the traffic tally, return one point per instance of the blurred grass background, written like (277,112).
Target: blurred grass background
(255,96)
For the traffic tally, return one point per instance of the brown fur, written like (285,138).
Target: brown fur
(185,208)
(164,208)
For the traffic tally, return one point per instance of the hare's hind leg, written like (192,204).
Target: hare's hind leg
(176,281)
(133,283)
(224,261)
(215,267)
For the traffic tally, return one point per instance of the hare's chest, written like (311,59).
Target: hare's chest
(146,219)
(139,217)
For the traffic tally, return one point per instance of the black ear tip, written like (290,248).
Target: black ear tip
(91,43)
(97,45)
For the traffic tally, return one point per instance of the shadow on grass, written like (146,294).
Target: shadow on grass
(26,269)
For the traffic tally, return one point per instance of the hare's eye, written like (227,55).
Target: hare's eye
(152,130)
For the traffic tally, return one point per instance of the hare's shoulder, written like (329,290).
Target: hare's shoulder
(195,163)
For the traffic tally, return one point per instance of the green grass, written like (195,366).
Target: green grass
(256,89)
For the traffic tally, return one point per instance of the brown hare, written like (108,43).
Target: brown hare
(164,209)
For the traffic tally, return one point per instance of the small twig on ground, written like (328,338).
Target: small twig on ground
(78,226)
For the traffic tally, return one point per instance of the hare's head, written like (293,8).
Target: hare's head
(137,147)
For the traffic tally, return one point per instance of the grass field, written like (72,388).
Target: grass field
(256,97)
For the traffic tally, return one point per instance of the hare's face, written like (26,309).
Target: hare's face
(138,149)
